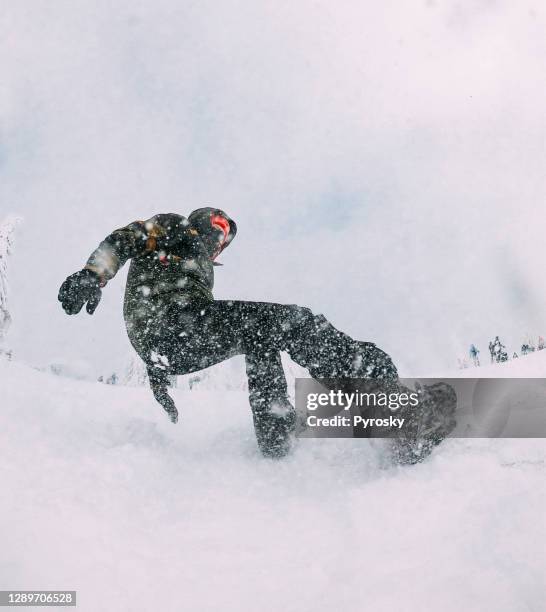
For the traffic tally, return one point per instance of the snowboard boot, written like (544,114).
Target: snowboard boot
(427,425)
(275,428)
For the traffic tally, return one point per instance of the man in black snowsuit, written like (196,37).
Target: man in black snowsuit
(177,327)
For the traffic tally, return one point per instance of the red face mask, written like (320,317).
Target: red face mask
(222,224)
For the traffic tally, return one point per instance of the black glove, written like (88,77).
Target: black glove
(79,288)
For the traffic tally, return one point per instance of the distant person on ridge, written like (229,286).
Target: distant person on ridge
(474,355)
(492,351)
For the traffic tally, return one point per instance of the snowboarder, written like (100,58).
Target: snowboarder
(112,380)
(527,345)
(474,352)
(492,351)
(177,327)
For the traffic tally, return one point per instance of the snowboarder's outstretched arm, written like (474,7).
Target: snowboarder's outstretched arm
(138,238)
(133,240)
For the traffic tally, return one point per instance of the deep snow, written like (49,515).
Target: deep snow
(100,493)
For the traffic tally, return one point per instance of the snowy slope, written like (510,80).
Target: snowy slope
(100,493)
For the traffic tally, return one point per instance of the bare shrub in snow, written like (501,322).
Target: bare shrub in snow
(7,229)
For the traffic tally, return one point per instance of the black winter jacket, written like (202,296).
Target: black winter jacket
(172,261)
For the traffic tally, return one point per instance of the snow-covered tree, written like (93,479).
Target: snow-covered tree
(7,228)
(135,373)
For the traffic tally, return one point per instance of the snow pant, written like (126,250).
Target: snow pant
(181,339)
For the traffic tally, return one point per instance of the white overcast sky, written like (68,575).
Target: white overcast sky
(385,161)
